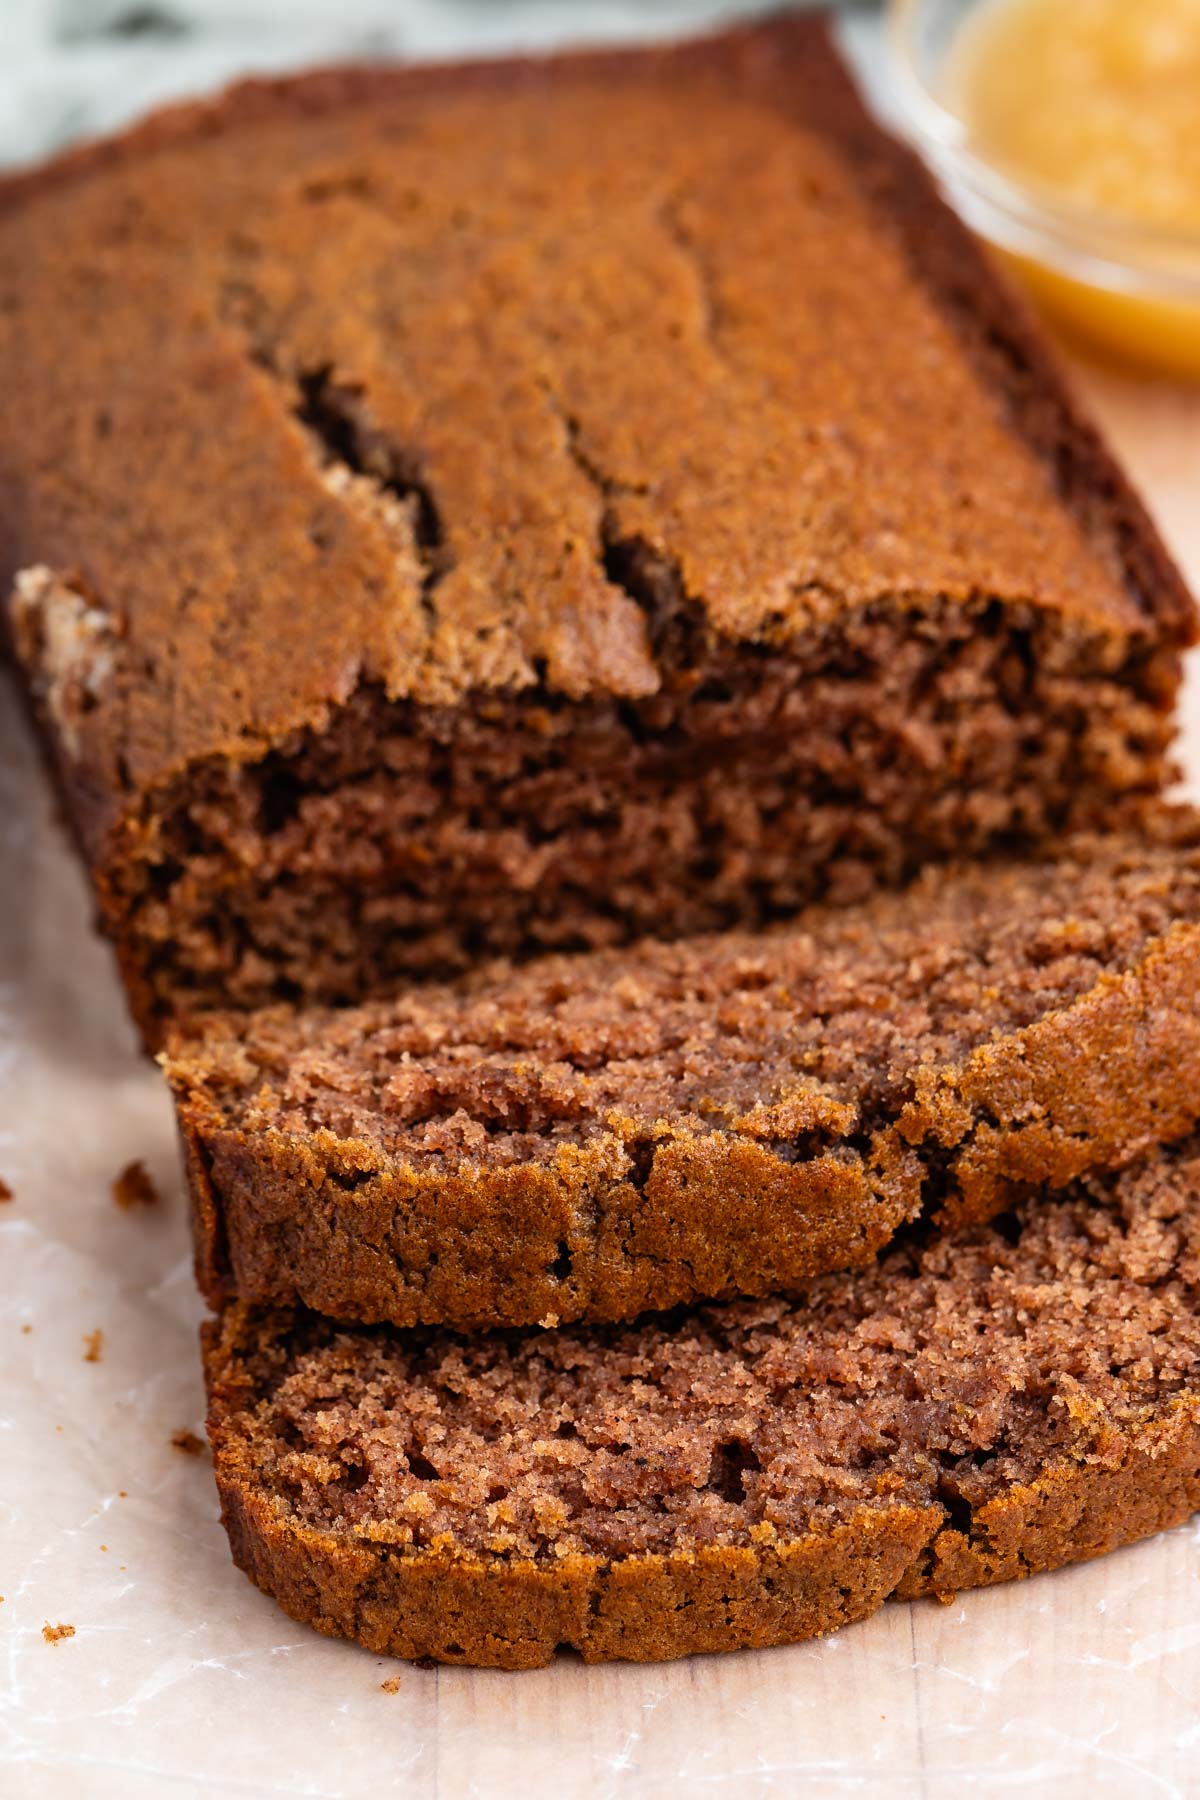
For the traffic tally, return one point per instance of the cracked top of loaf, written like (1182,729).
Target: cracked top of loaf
(410,376)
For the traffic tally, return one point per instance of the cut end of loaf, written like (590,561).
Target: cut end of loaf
(400,840)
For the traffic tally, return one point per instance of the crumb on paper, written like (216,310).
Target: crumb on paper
(25,1330)
(6,1192)
(188,1442)
(54,1634)
(133,1187)
(391,1685)
(93,1346)
(122,1494)
(943,1597)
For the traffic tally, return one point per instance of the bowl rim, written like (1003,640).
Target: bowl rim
(1107,248)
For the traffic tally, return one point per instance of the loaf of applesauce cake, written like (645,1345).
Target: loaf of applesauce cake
(522,507)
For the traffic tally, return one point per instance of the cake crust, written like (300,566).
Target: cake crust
(315,611)
(1048,1412)
(655,1609)
(592,1137)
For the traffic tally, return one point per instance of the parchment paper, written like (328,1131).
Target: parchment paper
(181,1679)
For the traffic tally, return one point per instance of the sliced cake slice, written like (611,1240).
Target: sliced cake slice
(588,1137)
(993,1404)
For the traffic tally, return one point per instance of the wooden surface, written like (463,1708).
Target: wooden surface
(180,1679)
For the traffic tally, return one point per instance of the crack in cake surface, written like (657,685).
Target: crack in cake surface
(338,419)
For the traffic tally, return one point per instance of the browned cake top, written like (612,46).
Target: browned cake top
(384,375)
(821,1028)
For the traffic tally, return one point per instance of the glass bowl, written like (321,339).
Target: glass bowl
(1122,286)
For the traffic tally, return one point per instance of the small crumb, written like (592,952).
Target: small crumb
(549,1322)
(54,1634)
(25,1330)
(188,1442)
(121,1494)
(94,1346)
(944,1599)
(104,1546)
(6,1192)
(133,1187)
(392,1685)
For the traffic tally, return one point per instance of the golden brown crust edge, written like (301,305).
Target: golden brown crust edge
(1090,1087)
(649,1609)
(530,1245)
(457,1608)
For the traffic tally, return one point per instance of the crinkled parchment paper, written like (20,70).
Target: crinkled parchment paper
(181,1679)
